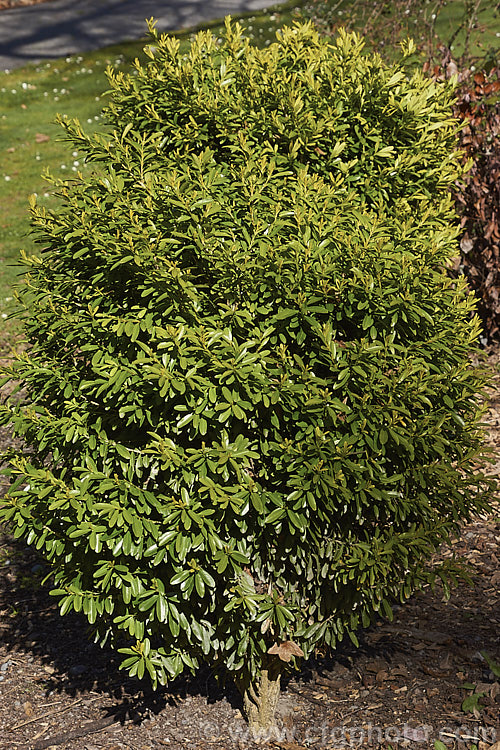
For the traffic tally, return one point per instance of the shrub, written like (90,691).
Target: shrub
(249,411)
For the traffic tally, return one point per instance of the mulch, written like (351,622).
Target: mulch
(404,687)
(8,4)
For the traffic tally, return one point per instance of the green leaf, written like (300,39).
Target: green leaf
(199,584)
(494,667)
(179,577)
(275,515)
(353,638)
(124,452)
(471,703)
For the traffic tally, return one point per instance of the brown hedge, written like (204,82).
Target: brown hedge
(477,195)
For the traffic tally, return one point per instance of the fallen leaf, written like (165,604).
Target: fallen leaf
(41,138)
(466,245)
(495,578)
(28,708)
(419,646)
(446,663)
(495,690)
(399,672)
(417,734)
(434,672)
(328,682)
(375,666)
(488,688)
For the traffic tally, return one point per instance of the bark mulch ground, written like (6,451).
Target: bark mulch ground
(404,687)
(7,4)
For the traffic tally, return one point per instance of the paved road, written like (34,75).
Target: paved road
(64,27)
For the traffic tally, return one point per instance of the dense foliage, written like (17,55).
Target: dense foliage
(248,405)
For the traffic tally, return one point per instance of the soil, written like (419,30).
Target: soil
(404,686)
(7,4)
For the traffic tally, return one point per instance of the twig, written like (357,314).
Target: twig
(315,700)
(44,716)
(433,636)
(91,728)
(448,734)
(326,682)
(49,713)
(307,697)
(363,708)
(472,11)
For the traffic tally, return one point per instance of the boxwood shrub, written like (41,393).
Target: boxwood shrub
(248,407)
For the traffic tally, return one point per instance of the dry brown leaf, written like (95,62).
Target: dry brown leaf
(495,578)
(494,690)
(434,672)
(400,671)
(375,666)
(446,663)
(41,138)
(419,646)
(327,682)
(286,650)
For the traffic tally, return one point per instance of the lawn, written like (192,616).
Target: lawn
(466,26)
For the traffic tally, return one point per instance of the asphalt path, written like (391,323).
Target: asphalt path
(54,29)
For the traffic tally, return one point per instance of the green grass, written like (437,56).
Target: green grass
(31,143)
(31,97)
(426,21)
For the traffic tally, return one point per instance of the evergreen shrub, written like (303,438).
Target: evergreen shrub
(248,406)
